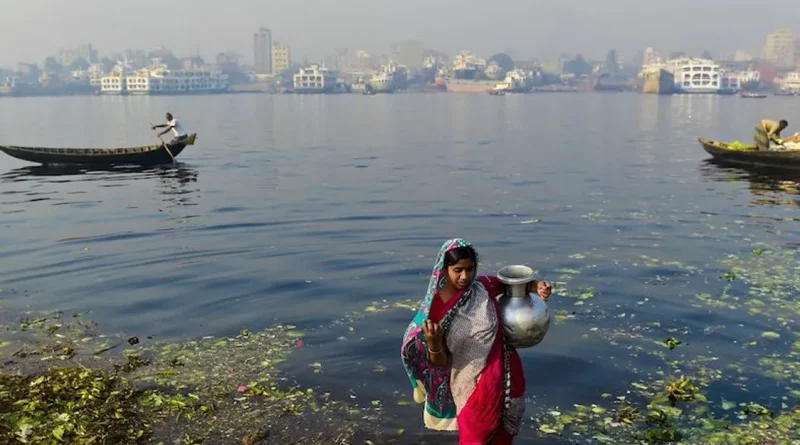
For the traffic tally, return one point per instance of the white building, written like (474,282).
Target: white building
(693,75)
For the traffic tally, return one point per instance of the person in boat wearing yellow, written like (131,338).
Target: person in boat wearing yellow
(175,126)
(768,130)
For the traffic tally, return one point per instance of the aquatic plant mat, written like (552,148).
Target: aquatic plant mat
(60,384)
(709,380)
(726,383)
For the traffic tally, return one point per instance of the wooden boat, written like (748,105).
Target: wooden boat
(789,159)
(148,155)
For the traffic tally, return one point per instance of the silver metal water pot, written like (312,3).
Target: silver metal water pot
(526,317)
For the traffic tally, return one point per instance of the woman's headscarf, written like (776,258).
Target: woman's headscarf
(437,282)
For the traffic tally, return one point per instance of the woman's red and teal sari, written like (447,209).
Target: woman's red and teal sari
(480,393)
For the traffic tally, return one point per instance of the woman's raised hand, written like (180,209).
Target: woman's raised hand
(433,335)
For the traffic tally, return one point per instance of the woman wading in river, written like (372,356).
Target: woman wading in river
(456,356)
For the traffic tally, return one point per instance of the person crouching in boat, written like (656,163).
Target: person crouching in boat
(172,124)
(455,354)
(768,130)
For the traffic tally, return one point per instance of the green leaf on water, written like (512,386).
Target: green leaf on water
(598,410)
(405,305)
(602,438)
(769,335)
(548,429)
(728,405)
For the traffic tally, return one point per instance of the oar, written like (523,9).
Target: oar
(165,146)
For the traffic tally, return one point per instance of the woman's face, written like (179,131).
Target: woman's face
(459,275)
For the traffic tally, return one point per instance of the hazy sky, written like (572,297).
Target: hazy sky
(33,29)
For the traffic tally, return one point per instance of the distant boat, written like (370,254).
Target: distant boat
(469,86)
(694,76)
(750,95)
(657,80)
(314,79)
(607,82)
(158,79)
(390,78)
(467,66)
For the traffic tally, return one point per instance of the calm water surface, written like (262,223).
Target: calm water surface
(301,210)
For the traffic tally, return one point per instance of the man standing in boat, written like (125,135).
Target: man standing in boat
(768,130)
(175,126)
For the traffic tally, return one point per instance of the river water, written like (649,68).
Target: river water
(301,210)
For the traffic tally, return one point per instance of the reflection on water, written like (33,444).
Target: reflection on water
(170,180)
(768,186)
(179,171)
(61,185)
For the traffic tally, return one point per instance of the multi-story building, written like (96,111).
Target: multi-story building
(27,70)
(262,51)
(411,54)
(192,63)
(740,56)
(797,54)
(779,49)
(736,66)
(96,75)
(281,58)
(66,56)
(650,57)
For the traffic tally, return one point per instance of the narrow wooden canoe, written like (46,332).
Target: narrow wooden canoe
(148,155)
(789,159)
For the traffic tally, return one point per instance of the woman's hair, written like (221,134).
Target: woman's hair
(460,253)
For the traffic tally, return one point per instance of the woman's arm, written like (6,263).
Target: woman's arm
(495,287)
(437,357)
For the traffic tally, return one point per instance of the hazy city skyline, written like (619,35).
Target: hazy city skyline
(32,30)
